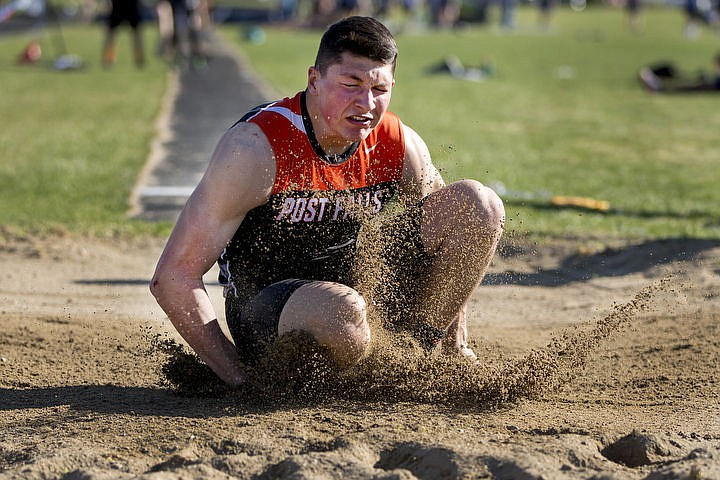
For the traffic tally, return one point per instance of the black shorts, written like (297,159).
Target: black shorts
(124,11)
(254,325)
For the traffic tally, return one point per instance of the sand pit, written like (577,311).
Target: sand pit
(597,363)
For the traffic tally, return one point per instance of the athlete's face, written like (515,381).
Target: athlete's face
(349,100)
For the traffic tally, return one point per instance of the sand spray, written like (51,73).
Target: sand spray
(397,368)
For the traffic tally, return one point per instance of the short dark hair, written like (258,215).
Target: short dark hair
(361,36)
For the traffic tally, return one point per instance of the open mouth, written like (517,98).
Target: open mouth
(361,119)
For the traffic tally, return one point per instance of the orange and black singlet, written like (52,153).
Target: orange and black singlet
(309,226)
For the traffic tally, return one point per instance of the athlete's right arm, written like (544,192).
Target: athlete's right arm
(239,177)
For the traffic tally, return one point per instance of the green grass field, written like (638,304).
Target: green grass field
(73,142)
(562,114)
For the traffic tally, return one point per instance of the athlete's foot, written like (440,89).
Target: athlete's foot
(468,354)
(455,341)
(462,351)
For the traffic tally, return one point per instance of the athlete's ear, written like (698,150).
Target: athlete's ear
(313,77)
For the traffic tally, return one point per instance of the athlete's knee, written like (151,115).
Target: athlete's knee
(348,327)
(478,204)
(475,208)
(335,315)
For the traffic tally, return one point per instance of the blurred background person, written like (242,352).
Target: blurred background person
(666,77)
(444,13)
(123,11)
(697,14)
(545,10)
(164,12)
(507,14)
(181,25)
(632,7)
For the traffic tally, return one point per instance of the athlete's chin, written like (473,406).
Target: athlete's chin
(358,134)
(358,131)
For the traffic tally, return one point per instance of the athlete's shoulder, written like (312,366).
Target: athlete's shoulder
(242,152)
(420,176)
(242,167)
(291,105)
(254,111)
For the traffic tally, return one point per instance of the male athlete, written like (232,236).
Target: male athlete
(282,206)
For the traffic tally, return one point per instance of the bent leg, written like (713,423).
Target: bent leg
(334,314)
(462,224)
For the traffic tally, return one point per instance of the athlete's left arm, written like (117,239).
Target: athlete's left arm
(419,177)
